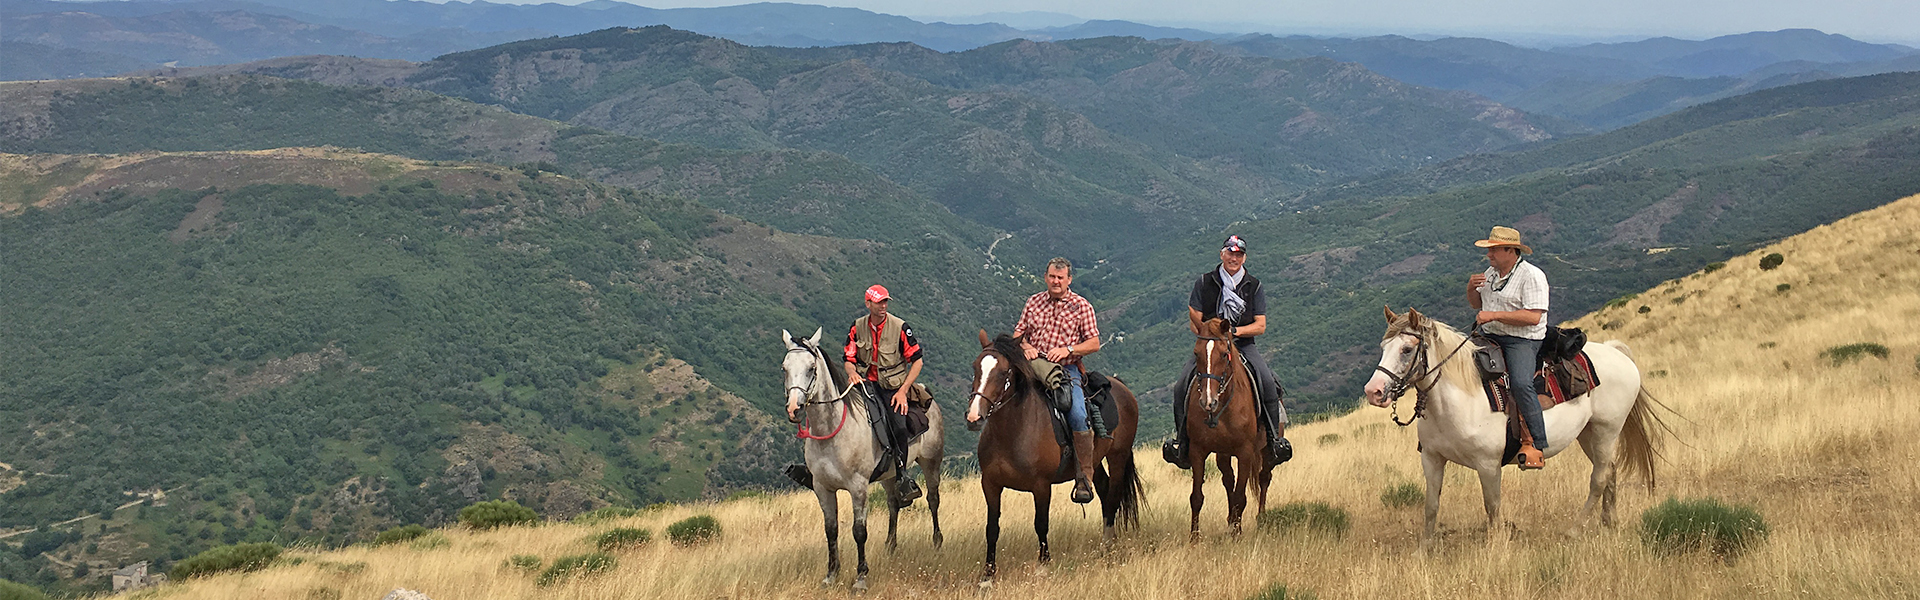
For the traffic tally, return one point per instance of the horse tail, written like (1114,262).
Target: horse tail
(1644,431)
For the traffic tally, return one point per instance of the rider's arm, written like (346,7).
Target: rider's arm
(852,354)
(1519,318)
(1257,306)
(1089,327)
(1257,327)
(1193,320)
(1090,346)
(1473,293)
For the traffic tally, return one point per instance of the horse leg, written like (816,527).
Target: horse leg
(1601,484)
(1435,469)
(1109,506)
(892,487)
(1237,500)
(1199,497)
(992,491)
(1227,480)
(1042,505)
(931,469)
(858,494)
(830,510)
(1490,495)
(1266,483)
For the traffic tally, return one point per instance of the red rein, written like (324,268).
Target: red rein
(805,435)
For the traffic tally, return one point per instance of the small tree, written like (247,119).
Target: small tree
(694,530)
(1771,261)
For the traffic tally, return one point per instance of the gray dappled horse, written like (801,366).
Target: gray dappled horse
(842,457)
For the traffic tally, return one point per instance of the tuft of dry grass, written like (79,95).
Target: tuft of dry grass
(1826,453)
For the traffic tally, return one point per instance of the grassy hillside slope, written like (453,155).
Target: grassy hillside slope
(1822,450)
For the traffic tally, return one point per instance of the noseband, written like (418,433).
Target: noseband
(1417,372)
(806,397)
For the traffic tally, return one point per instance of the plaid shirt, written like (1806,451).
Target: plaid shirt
(1049,323)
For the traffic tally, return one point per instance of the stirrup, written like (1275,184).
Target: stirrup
(1082,491)
(1531,458)
(1278,450)
(1174,453)
(909,491)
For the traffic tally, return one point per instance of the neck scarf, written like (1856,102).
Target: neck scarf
(1231,305)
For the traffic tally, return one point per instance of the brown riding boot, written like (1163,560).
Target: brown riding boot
(1083,453)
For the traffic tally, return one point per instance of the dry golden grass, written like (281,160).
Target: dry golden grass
(1826,453)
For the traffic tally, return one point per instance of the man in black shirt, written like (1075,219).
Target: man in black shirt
(1229,292)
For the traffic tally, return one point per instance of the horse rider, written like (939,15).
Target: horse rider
(1512,299)
(1059,325)
(1229,292)
(884,356)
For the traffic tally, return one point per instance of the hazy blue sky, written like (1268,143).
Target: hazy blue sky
(1871,20)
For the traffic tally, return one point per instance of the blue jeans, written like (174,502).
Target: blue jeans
(1077,410)
(1521,354)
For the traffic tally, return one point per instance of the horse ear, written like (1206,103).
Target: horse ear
(786,338)
(816,336)
(1413,318)
(1390,316)
(984,342)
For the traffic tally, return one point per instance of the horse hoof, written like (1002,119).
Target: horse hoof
(937,540)
(860,585)
(986,585)
(828,582)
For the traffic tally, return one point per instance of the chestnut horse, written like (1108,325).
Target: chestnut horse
(1226,425)
(1018,450)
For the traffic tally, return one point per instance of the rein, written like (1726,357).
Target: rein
(806,432)
(1416,372)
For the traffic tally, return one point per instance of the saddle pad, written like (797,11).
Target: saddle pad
(1099,392)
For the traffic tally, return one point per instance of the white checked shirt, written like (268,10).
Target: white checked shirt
(1523,289)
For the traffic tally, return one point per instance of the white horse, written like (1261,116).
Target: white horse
(842,453)
(1456,425)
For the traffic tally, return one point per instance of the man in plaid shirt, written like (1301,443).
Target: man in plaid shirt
(1059,325)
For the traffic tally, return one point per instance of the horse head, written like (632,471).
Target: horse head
(1214,358)
(801,366)
(1000,375)
(1402,350)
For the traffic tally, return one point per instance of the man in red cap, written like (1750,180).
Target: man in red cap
(882,353)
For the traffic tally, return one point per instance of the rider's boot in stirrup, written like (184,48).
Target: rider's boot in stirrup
(1083,453)
(1530,457)
(1174,451)
(909,491)
(1278,449)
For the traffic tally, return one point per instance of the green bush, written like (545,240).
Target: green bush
(1782,288)
(622,538)
(1279,591)
(497,513)
(431,541)
(17,591)
(578,565)
(1644,309)
(1841,355)
(1771,261)
(1621,301)
(405,533)
(746,495)
(1312,516)
(1329,439)
(1681,526)
(604,514)
(238,557)
(526,563)
(693,530)
(1403,495)
(1711,267)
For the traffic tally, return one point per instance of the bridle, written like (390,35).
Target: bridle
(993,405)
(806,394)
(1417,373)
(1213,406)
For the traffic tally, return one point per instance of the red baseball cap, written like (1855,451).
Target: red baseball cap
(877,293)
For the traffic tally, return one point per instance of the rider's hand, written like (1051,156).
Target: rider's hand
(1031,352)
(900,400)
(1484,317)
(1059,354)
(1476,280)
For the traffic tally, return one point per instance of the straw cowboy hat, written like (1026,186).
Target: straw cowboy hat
(1504,236)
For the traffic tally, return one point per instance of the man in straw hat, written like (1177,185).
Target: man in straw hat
(1512,299)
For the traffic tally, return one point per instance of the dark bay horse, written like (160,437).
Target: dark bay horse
(1018,450)
(1226,425)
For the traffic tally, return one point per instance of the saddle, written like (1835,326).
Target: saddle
(1259,408)
(1563,371)
(877,409)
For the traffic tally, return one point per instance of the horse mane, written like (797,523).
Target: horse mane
(837,376)
(1008,347)
(1441,340)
